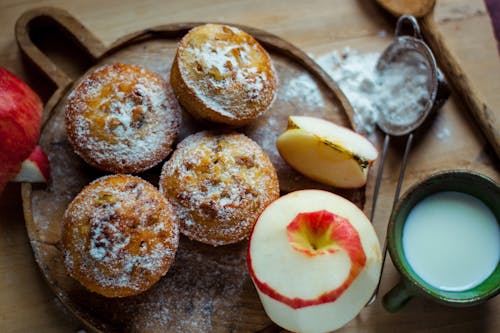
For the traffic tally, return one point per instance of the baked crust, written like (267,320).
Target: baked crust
(222,74)
(122,118)
(119,236)
(219,184)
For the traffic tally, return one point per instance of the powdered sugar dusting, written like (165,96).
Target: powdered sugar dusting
(119,235)
(122,115)
(219,184)
(303,89)
(300,93)
(397,94)
(201,293)
(354,72)
(443,133)
(228,74)
(404,89)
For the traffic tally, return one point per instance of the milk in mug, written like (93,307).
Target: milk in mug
(452,241)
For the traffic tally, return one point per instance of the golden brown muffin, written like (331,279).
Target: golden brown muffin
(119,236)
(122,118)
(219,184)
(223,74)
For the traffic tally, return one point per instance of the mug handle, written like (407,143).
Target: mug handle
(398,296)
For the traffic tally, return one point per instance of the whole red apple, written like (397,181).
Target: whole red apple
(20,120)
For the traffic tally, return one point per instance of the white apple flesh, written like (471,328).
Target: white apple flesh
(326,152)
(34,169)
(315,260)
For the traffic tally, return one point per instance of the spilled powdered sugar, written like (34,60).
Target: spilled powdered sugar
(444,133)
(355,74)
(399,92)
(202,292)
(303,87)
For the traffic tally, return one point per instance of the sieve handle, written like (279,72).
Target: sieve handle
(409,142)
(408,21)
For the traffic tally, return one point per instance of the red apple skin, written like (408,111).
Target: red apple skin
(20,120)
(35,169)
(38,157)
(347,238)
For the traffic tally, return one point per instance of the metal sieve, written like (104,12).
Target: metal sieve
(407,48)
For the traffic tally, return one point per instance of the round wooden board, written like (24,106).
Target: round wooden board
(208,289)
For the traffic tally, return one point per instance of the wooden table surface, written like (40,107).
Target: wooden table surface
(318,27)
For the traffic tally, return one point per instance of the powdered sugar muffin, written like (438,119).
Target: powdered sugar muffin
(122,118)
(219,184)
(222,74)
(119,236)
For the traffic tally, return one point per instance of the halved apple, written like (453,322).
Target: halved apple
(326,152)
(314,259)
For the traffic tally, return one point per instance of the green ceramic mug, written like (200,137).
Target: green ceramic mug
(411,284)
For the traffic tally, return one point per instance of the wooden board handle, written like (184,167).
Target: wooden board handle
(485,117)
(69,25)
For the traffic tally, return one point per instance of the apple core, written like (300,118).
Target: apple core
(315,233)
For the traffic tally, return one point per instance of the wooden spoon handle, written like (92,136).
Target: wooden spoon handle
(485,117)
(25,26)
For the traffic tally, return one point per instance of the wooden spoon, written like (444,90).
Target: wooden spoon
(486,118)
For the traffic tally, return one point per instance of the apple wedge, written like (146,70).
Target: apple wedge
(314,259)
(326,152)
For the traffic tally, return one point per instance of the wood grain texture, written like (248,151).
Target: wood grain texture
(408,7)
(317,27)
(484,115)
